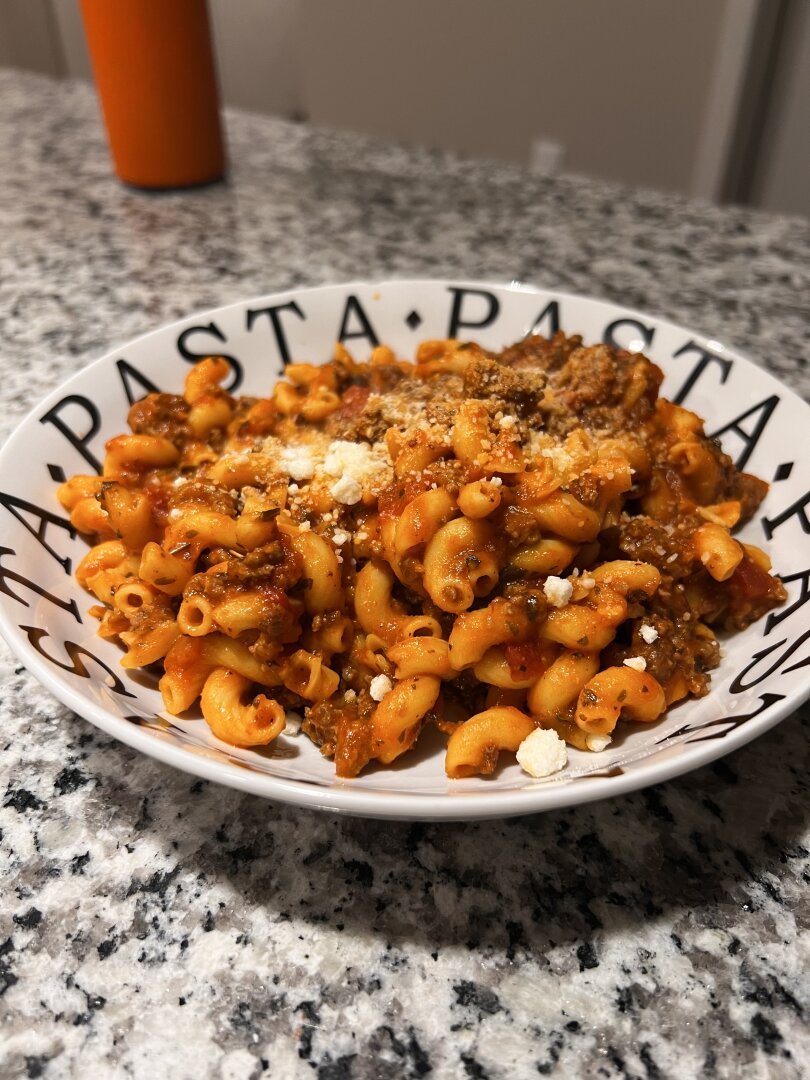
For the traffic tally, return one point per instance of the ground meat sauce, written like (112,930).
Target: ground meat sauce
(555,387)
(562,409)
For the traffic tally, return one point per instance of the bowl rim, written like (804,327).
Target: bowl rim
(340,797)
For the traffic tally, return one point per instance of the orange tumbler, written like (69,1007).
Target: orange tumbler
(154,69)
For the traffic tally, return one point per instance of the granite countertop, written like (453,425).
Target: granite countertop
(154,924)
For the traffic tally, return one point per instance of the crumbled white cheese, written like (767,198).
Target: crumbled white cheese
(346,490)
(495,481)
(542,753)
(380,686)
(347,457)
(353,465)
(558,591)
(507,422)
(305,526)
(587,582)
(597,743)
(350,697)
(297,461)
(637,663)
(648,633)
(293,724)
(340,537)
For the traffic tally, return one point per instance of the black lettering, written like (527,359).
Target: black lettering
(155,721)
(193,357)
(797,665)
(274,315)
(76,666)
(750,439)
(647,333)
(129,375)
(354,309)
(776,617)
(77,440)
(493,307)
(7,575)
(15,505)
(551,312)
(729,723)
(706,358)
(770,525)
(738,685)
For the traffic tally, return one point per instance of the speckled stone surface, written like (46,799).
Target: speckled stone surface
(155,925)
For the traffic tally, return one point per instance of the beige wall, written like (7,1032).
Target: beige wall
(70,32)
(782,176)
(622,85)
(258,54)
(28,37)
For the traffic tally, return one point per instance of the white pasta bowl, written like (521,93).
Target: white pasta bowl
(764,674)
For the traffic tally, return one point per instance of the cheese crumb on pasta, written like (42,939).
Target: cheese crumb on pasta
(346,490)
(637,663)
(597,743)
(648,633)
(558,591)
(380,686)
(542,753)
(293,722)
(298,462)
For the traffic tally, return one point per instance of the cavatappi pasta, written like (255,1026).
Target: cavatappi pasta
(487,542)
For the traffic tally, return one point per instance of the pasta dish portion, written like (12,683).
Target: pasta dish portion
(523,548)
